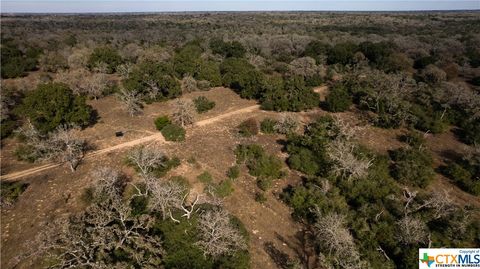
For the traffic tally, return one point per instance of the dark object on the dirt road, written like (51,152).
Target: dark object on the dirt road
(119,134)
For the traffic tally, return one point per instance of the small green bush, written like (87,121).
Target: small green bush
(169,164)
(261,165)
(267,126)
(205,177)
(264,183)
(10,191)
(224,188)
(260,197)
(462,177)
(173,132)
(414,139)
(25,153)
(161,122)
(248,128)
(338,100)
(233,172)
(202,104)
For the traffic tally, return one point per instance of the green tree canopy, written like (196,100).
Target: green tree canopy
(53,104)
(107,56)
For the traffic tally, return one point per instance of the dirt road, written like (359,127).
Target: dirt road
(155,137)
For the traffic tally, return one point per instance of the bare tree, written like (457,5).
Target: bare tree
(411,230)
(386,91)
(441,203)
(345,162)
(125,70)
(82,81)
(107,225)
(288,123)
(189,209)
(66,146)
(78,58)
(184,112)
(131,100)
(165,196)
(95,84)
(336,241)
(147,158)
(189,84)
(217,234)
(131,52)
(63,145)
(433,74)
(304,67)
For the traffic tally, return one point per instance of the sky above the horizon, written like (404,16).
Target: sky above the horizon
(75,6)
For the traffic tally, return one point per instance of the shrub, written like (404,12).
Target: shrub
(462,177)
(224,188)
(161,122)
(188,84)
(427,119)
(10,191)
(267,126)
(106,56)
(260,197)
(187,59)
(433,75)
(307,153)
(470,132)
(290,95)
(241,76)
(264,183)
(261,165)
(266,167)
(202,104)
(52,105)
(304,160)
(413,139)
(412,166)
(204,85)
(169,164)
(208,74)
(173,132)
(287,124)
(233,172)
(205,177)
(338,99)
(248,127)
(342,53)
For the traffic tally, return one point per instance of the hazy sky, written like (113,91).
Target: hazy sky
(74,6)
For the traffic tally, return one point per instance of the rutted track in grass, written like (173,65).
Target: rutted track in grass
(155,137)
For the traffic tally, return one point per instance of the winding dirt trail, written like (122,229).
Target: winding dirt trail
(155,137)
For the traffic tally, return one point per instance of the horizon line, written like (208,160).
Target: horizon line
(240,11)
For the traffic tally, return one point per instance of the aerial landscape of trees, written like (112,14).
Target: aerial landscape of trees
(411,80)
